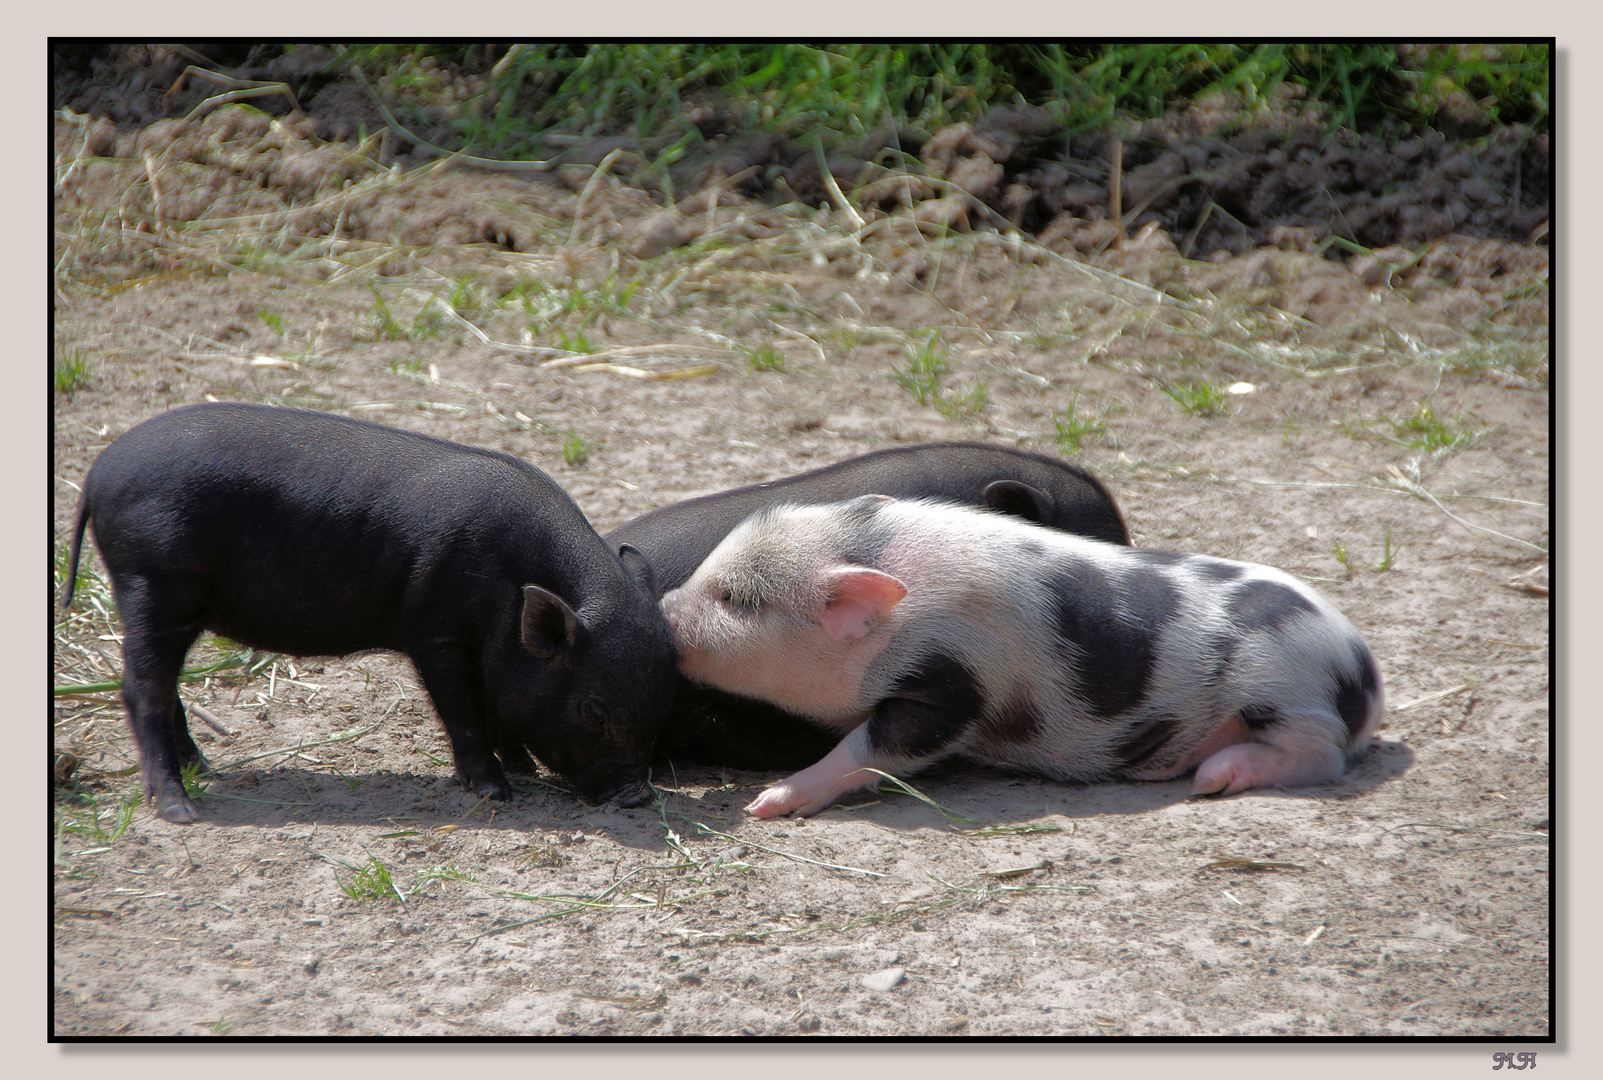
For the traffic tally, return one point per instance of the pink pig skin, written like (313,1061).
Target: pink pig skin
(859,600)
(818,785)
(855,603)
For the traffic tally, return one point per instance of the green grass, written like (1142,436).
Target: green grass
(1423,430)
(1437,434)
(1340,551)
(1388,556)
(765,358)
(88,578)
(651,90)
(71,371)
(468,297)
(95,820)
(961,823)
(927,365)
(432,759)
(966,405)
(1073,429)
(1199,398)
(647,90)
(576,342)
(565,314)
(576,449)
(387,326)
(371,881)
(546,305)
(1498,350)
(384,323)
(193,786)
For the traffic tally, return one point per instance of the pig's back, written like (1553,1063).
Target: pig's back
(677,538)
(1078,648)
(326,533)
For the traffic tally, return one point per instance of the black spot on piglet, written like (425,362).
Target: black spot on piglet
(1217,570)
(1266,605)
(1353,694)
(1112,632)
(1137,745)
(1257,717)
(1016,722)
(927,709)
(1160,558)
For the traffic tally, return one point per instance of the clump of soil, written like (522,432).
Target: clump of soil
(1215,176)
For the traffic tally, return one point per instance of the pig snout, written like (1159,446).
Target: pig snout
(612,786)
(674,616)
(605,764)
(687,633)
(636,792)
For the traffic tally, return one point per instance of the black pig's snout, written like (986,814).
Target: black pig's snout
(634,792)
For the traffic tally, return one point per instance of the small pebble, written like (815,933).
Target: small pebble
(885,980)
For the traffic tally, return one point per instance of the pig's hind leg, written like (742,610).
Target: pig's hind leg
(1280,752)
(160,623)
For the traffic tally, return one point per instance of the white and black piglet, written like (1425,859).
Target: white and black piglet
(921,630)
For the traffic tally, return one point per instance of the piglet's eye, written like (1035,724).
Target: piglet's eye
(740,603)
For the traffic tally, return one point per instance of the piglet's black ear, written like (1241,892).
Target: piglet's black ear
(640,569)
(1019,499)
(550,627)
(861,510)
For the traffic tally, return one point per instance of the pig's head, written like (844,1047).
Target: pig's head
(606,675)
(788,609)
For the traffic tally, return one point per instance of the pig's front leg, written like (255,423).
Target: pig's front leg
(932,708)
(818,785)
(450,677)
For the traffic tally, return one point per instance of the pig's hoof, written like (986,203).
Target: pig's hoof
(1223,774)
(628,794)
(176,809)
(775,802)
(488,788)
(1255,765)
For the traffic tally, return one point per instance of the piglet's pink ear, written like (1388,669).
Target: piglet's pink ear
(859,600)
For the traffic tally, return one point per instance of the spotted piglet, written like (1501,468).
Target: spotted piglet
(921,630)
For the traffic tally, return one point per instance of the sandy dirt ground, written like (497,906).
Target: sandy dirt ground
(1388,442)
